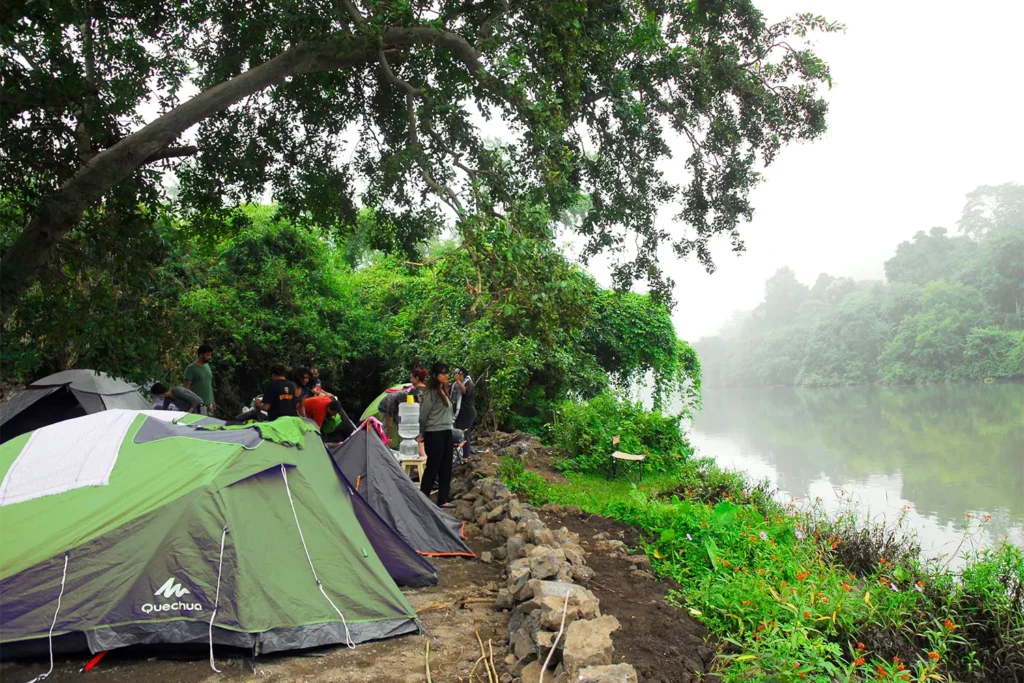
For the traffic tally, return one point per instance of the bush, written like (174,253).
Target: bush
(583,432)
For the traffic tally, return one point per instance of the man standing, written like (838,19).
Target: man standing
(181,397)
(279,399)
(199,377)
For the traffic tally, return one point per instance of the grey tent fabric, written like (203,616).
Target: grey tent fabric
(93,403)
(363,458)
(22,400)
(65,395)
(86,380)
(154,430)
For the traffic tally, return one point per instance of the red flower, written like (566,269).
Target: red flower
(725,563)
(860,646)
(859,661)
(933,655)
(807,615)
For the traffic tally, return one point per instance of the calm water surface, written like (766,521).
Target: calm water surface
(944,451)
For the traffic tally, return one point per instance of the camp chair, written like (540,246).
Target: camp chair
(624,458)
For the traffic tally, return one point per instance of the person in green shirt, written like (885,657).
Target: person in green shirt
(199,377)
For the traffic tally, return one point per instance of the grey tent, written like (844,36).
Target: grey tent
(364,459)
(62,396)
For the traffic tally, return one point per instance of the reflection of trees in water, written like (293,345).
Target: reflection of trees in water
(957,447)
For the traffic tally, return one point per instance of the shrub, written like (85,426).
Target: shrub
(583,432)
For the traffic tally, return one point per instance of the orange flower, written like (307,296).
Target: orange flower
(725,563)
(745,603)
(859,661)
(933,655)
(860,646)
(846,587)
(895,660)
(784,584)
(773,557)
(807,615)
(760,627)
(801,576)
(950,625)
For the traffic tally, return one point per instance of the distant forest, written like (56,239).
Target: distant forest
(949,310)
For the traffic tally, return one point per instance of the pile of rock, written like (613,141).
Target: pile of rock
(544,570)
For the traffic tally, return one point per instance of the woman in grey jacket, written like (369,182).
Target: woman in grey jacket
(436,434)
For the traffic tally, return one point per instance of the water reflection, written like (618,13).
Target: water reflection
(945,450)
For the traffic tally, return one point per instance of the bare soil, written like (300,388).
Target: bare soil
(662,642)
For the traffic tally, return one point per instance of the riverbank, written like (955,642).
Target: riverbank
(794,594)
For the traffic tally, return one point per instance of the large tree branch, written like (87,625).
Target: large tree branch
(59,212)
(172,153)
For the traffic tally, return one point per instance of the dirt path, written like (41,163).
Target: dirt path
(447,611)
(662,642)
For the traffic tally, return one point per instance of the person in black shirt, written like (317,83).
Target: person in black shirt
(279,396)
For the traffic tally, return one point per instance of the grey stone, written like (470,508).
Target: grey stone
(543,537)
(564,573)
(641,562)
(573,510)
(471,496)
(618,673)
(506,528)
(496,514)
(582,572)
(588,643)
(505,678)
(574,554)
(641,574)
(482,519)
(515,510)
(531,672)
(514,547)
(612,545)
(563,536)
(546,565)
(486,557)
(499,553)
(603,536)
(504,600)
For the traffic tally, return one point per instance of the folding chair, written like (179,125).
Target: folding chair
(620,460)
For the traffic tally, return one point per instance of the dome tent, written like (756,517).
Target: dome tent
(154,532)
(365,459)
(62,396)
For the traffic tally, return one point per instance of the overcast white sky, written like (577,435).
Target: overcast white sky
(926,105)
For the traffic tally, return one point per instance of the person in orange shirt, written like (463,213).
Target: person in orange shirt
(327,410)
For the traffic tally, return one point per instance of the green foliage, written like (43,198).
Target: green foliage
(262,289)
(951,311)
(588,92)
(808,597)
(583,431)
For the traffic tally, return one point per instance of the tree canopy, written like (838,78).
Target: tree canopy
(336,106)
(950,310)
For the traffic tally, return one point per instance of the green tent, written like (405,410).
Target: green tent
(121,528)
(372,409)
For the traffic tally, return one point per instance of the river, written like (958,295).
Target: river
(945,451)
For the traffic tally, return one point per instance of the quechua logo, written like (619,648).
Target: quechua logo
(172,590)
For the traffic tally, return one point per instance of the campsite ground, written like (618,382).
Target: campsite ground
(453,612)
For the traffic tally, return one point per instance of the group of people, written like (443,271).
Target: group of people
(446,409)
